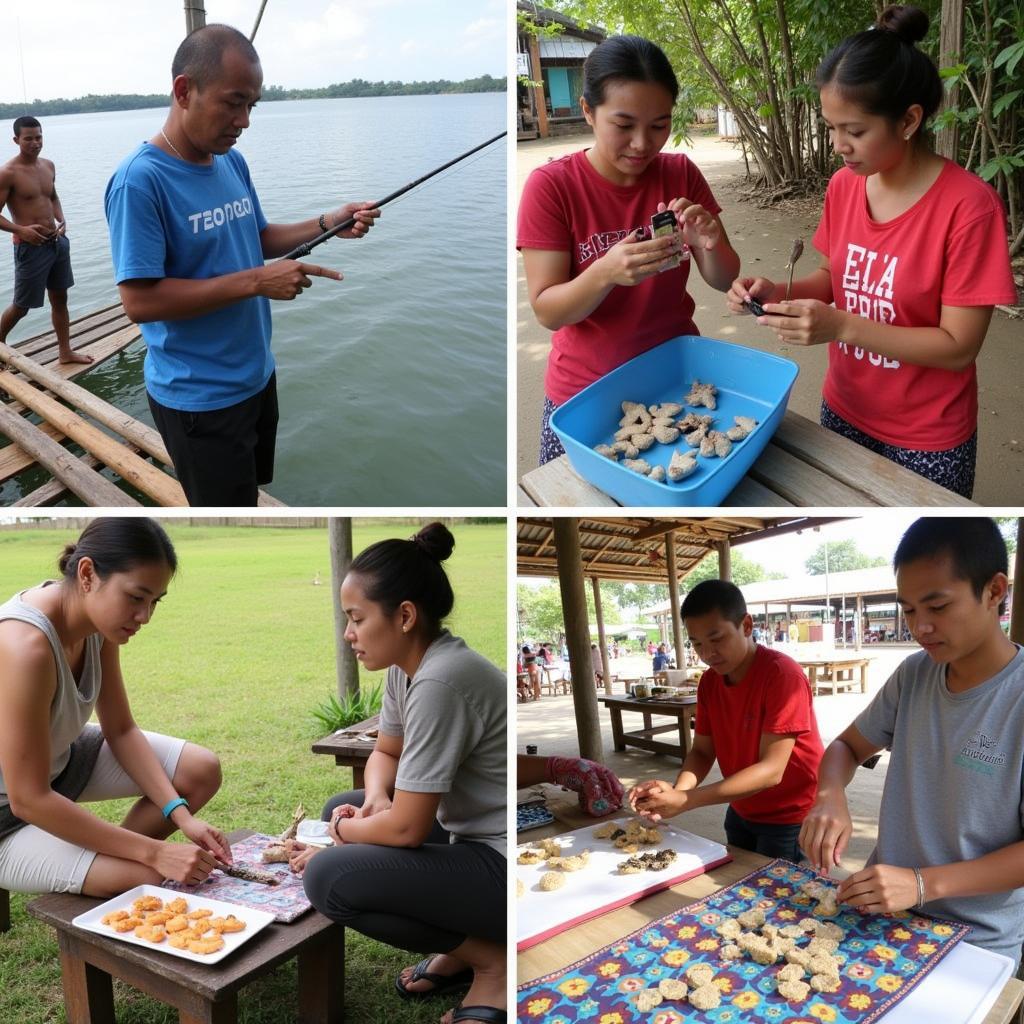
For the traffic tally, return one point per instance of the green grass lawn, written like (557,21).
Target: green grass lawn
(235,658)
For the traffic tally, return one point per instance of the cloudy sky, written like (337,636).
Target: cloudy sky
(74,47)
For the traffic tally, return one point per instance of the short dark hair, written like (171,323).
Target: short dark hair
(882,71)
(25,121)
(973,544)
(118,544)
(715,596)
(201,54)
(626,59)
(393,571)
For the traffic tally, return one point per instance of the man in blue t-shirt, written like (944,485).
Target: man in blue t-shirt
(189,240)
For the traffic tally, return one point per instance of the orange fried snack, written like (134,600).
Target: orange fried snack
(127,924)
(206,946)
(178,906)
(197,914)
(159,917)
(114,915)
(180,940)
(148,903)
(177,924)
(226,924)
(151,933)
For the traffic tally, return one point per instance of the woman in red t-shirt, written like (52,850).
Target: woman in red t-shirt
(594,275)
(913,258)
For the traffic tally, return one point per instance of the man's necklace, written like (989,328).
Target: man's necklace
(172,145)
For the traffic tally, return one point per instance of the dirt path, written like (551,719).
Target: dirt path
(763,238)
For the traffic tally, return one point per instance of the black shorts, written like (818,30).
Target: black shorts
(222,456)
(41,268)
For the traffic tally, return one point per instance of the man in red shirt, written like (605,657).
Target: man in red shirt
(755,716)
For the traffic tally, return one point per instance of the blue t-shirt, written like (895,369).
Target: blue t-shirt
(170,218)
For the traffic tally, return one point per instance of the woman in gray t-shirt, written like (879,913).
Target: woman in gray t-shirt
(419,857)
(59,662)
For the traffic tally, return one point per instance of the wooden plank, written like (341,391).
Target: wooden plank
(801,483)
(849,463)
(92,488)
(53,491)
(749,493)
(556,483)
(523,500)
(155,483)
(88,327)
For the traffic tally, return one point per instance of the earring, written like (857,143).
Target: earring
(906,138)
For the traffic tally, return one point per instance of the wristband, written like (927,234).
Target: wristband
(323,222)
(178,801)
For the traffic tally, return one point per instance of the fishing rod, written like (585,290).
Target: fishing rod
(307,247)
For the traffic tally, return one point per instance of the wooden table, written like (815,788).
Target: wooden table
(803,464)
(837,672)
(581,941)
(682,710)
(348,750)
(202,994)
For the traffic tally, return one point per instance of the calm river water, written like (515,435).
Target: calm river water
(392,382)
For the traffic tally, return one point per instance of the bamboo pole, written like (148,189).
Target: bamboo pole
(602,643)
(103,412)
(673,598)
(339,531)
(147,478)
(88,485)
(259,18)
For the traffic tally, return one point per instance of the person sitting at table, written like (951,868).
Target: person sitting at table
(532,670)
(661,661)
(419,854)
(951,821)
(599,789)
(60,648)
(756,717)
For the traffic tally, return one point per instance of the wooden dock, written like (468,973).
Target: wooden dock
(35,382)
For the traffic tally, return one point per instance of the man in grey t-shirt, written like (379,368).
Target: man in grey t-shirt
(951,822)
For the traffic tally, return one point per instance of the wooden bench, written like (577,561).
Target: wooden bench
(201,994)
(348,750)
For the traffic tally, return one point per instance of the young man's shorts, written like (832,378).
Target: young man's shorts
(41,268)
(32,860)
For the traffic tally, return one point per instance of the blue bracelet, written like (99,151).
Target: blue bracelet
(178,801)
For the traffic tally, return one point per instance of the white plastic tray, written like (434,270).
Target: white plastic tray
(313,833)
(598,887)
(255,921)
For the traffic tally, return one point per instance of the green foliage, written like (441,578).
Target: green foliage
(744,570)
(635,595)
(333,714)
(843,555)
(540,610)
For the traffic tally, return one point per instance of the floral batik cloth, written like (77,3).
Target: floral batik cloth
(886,955)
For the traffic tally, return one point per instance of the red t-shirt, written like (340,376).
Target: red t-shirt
(774,697)
(946,250)
(567,206)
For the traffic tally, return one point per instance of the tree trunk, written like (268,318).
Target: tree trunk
(673,598)
(951,41)
(339,531)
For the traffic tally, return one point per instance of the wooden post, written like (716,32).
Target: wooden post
(1017,594)
(858,632)
(951,40)
(538,92)
(577,635)
(92,488)
(195,15)
(163,489)
(605,667)
(724,560)
(673,598)
(339,531)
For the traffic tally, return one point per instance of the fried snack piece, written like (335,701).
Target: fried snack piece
(681,465)
(204,947)
(752,918)
(574,863)
(699,974)
(825,982)
(530,856)
(665,435)
(151,933)
(647,999)
(144,903)
(792,931)
(827,907)
(705,997)
(794,991)
(178,906)
(127,924)
(641,466)
(520,888)
(702,394)
(730,928)
(196,915)
(820,945)
(226,924)
(630,866)
(672,988)
(658,473)
(642,441)
(731,951)
(829,930)
(606,831)
(744,425)
(715,445)
(791,972)
(602,449)
(799,956)
(551,880)
(159,916)
(822,963)
(695,421)
(114,915)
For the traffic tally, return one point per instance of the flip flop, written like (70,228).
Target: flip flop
(487,1014)
(443,983)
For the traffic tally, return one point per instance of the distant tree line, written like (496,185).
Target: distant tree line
(92,104)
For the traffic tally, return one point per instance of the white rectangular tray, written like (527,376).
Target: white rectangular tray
(255,920)
(598,887)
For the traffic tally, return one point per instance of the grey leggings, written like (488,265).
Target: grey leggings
(428,899)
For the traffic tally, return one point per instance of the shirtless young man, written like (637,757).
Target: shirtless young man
(42,253)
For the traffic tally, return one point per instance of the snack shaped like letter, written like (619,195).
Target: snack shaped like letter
(744,425)
(682,465)
(702,394)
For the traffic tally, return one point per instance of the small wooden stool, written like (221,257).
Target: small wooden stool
(202,994)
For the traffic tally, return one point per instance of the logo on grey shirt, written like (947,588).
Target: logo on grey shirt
(979,754)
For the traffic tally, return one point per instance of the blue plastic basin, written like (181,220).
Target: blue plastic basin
(749,382)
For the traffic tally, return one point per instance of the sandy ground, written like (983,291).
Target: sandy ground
(551,725)
(763,238)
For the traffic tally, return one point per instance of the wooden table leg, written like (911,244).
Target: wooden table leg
(863,679)
(618,743)
(225,1011)
(322,980)
(88,991)
(357,778)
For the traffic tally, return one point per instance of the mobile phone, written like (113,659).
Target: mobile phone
(754,306)
(662,224)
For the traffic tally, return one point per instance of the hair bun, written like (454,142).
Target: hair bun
(66,555)
(435,540)
(907,23)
